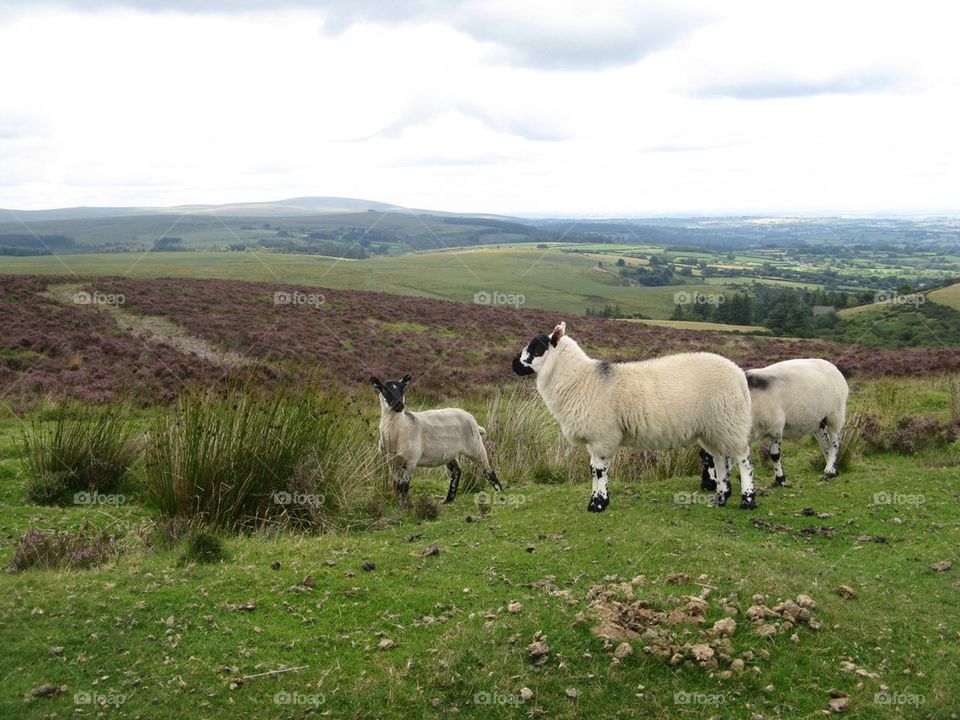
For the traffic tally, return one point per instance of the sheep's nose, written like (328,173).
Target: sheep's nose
(519,368)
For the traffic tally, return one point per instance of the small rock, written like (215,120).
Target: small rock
(248,606)
(896,521)
(840,704)
(432,549)
(369,566)
(769,689)
(725,627)
(56,650)
(469,519)
(572,693)
(386,644)
(623,650)
(809,511)
(846,592)
(677,578)
(805,601)
(526,694)
(275,565)
(766,630)
(329,563)
(309,581)
(941,566)
(639,581)
(514,607)
(701,652)
(48,690)
(531,548)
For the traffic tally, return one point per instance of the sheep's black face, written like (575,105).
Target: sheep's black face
(392,391)
(525,363)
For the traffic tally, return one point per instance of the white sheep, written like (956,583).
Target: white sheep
(655,404)
(431,438)
(791,399)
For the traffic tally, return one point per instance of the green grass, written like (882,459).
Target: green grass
(170,639)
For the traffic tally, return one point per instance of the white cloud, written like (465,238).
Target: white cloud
(499,107)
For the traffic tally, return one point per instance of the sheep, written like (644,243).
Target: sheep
(791,399)
(431,438)
(653,404)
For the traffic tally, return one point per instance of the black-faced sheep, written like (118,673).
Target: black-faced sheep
(431,438)
(655,404)
(791,399)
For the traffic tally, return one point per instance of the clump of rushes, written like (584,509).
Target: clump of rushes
(202,546)
(242,460)
(78,449)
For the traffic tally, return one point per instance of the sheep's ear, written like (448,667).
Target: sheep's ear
(558,332)
(375,381)
(406,380)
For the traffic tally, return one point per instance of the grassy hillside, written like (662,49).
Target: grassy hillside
(949,296)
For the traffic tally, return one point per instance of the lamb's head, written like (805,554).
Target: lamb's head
(391,392)
(531,358)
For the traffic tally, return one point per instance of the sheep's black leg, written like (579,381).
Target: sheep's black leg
(404,487)
(492,477)
(779,477)
(707,481)
(599,469)
(454,469)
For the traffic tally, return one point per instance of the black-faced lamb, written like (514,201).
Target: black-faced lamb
(791,399)
(654,404)
(430,438)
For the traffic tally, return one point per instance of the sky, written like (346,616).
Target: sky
(525,107)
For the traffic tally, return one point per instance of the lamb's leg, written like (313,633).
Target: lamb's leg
(722,467)
(479,456)
(599,470)
(748,496)
(779,477)
(832,442)
(454,467)
(708,479)
(404,486)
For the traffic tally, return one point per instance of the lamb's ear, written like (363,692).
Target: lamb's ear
(375,381)
(558,332)
(405,380)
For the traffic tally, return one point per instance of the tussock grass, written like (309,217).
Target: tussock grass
(77,448)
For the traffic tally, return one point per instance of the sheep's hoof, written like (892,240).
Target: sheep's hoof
(708,483)
(722,499)
(828,475)
(779,480)
(598,503)
(498,487)
(447,500)
(748,501)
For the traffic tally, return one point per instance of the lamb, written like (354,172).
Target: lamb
(427,439)
(791,399)
(653,404)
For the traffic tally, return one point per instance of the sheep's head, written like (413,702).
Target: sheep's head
(391,392)
(530,359)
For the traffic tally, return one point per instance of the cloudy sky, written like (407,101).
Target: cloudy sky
(512,106)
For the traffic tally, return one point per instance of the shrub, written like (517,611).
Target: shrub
(426,507)
(660,464)
(202,546)
(88,449)
(242,460)
(912,434)
(82,548)
(47,488)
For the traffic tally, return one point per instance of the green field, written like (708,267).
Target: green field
(547,279)
(435,635)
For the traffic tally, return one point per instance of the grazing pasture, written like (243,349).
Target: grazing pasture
(285,580)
